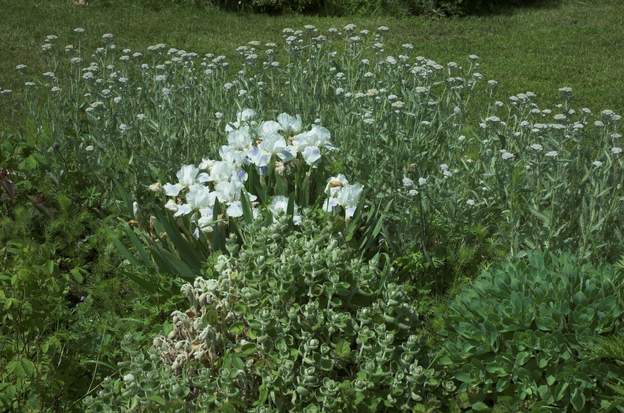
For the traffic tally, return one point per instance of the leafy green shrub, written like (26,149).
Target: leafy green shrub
(368,7)
(287,323)
(48,259)
(61,303)
(62,289)
(458,7)
(611,349)
(519,337)
(323,7)
(269,6)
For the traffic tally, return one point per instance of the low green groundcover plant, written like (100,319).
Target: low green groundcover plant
(520,337)
(285,323)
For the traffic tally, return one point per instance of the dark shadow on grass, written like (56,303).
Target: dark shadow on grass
(332,8)
(511,9)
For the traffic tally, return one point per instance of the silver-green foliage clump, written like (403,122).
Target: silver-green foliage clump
(451,155)
(521,337)
(292,322)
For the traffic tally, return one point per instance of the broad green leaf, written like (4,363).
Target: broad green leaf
(343,349)
(247,210)
(480,407)
(21,368)
(577,399)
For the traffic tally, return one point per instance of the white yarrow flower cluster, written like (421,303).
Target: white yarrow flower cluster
(505,155)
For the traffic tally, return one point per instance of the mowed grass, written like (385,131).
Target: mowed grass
(572,43)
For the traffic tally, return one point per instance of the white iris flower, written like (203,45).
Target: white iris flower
(279,206)
(290,124)
(341,193)
(200,196)
(310,142)
(239,139)
(235,209)
(245,116)
(187,175)
(269,127)
(205,220)
(254,143)
(172,189)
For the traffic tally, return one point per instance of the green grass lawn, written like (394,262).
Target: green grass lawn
(575,43)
